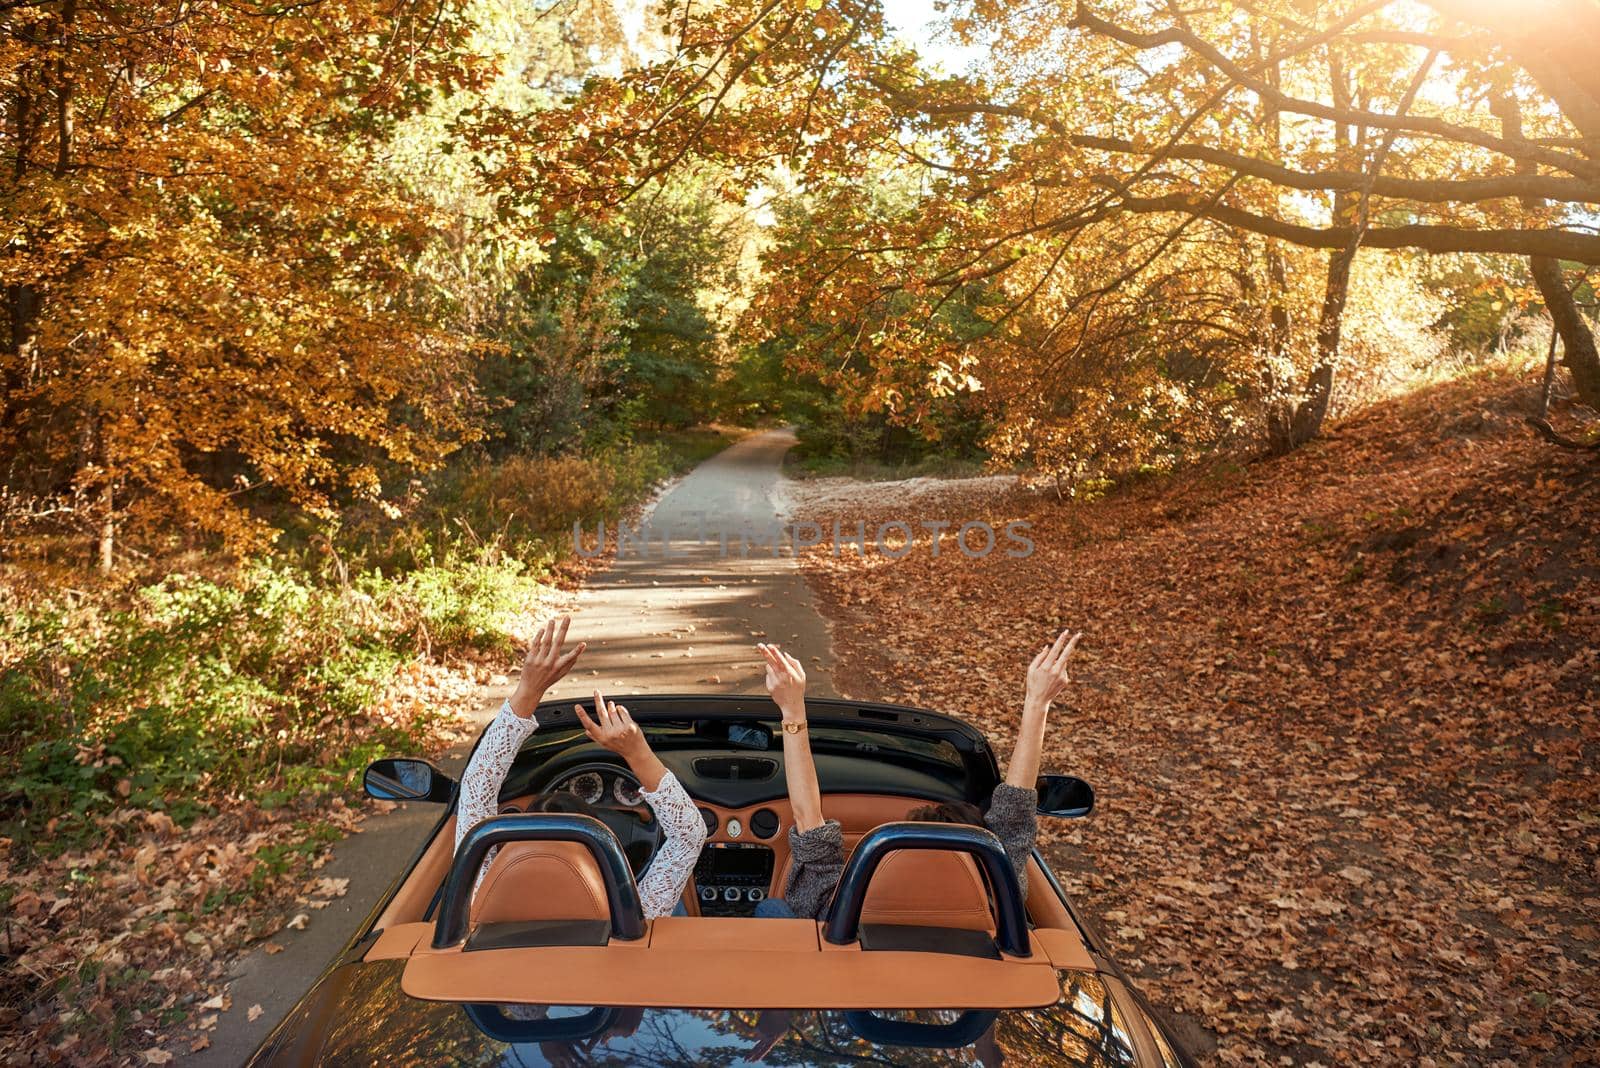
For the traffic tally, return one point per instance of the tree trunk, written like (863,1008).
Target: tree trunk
(21,299)
(1312,411)
(1302,421)
(1577,340)
(64,102)
(1280,414)
(106,542)
(1578,350)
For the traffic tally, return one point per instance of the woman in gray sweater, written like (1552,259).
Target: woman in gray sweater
(817,845)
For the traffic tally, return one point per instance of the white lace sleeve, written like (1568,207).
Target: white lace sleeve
(685,832)
(480,785)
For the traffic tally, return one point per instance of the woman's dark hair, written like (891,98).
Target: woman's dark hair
(948,812)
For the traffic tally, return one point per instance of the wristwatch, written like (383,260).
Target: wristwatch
(792,727)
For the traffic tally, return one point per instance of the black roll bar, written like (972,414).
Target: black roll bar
(843,922)
(622,893)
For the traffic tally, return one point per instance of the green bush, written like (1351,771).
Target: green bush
(195,688)
(947,438)
(192,688)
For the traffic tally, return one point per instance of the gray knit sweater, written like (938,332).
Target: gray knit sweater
(819,852)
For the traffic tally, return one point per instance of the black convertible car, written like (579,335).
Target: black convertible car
(928,955)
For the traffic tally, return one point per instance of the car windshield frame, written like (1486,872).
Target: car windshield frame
(905,734)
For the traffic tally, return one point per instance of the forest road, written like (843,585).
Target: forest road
(679,613)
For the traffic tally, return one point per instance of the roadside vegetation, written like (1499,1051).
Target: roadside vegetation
(182,749)
(280,489)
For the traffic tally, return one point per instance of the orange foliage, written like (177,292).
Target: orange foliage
(207,275)
(1123,224)
(1339,709)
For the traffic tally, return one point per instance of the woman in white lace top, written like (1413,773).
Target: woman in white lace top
(661,885)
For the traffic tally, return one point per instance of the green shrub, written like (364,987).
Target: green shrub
(196,688)
(520,507)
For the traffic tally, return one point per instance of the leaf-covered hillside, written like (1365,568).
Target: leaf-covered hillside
(1340,709)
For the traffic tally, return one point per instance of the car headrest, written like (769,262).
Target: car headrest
(921,893)
(551,868)
(929,888)
(541,881)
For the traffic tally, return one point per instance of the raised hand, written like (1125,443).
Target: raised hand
(544,666)
(1047,680)
(612,728)
(1047,675)
(786,682)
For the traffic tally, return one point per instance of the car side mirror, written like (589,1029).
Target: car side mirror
(1066,796)
(401,779)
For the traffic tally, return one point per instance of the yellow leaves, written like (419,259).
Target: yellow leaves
(228,251)
(946,380)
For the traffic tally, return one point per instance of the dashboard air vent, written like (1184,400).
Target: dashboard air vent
(764,822)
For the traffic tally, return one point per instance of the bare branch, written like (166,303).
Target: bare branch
(1513,149)
(1560,244)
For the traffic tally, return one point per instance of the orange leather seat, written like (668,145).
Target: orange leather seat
(928,888)
(541,881)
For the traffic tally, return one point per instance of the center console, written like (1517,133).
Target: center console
(732,877)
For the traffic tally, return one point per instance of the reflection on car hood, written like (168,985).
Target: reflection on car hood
(369,1020)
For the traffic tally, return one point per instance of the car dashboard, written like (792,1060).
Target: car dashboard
(743,798)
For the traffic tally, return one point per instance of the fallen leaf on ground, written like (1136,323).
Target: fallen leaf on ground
(327,887)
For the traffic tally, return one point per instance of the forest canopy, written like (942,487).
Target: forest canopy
(266,257)
(252,275)
(1136,226)
(325,323)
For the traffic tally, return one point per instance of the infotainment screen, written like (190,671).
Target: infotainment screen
(741,863)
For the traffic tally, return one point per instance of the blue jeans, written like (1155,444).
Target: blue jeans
(774,908)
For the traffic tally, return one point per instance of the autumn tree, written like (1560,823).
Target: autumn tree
(1452,192)
(1116,171)
(207,269)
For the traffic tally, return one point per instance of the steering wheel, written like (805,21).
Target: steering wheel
(635,826)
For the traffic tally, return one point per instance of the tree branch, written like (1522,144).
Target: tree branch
(1422,190)
(1513,149)
(1550,434)
(1561,244)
